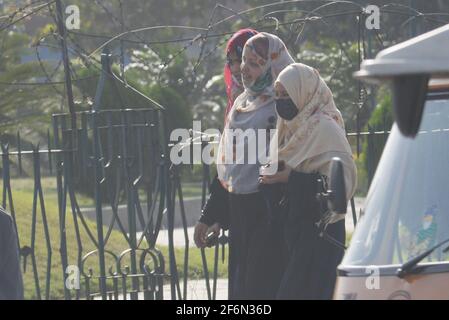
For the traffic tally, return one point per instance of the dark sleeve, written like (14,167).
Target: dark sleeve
(302,190)
(216,208)
(304,182)
(11,284)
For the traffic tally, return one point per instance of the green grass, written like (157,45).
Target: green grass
(190,190)
(23,203)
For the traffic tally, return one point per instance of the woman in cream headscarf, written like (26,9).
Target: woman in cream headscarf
(254,241)
(310,133)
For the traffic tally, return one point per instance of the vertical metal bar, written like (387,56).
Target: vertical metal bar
(214,283)
(160,277)
(127,166)
(191,147)
(69,183)
(206,177)
(172,204)
(206,273)
(115,285)
(98,206)
(178,187)
(5,172)
(65,57)
(105,70)
(40,198)
(7,191)
(354,214)
(205,187)
(122,43)
(137,182)
(110,137)
(33,233)
(370,154)
(88,297)
(83,146)
(359,84)
(151,169)
(170,209)
(50,166)
(19,153)
(61,207)
(358,133)
(124,289)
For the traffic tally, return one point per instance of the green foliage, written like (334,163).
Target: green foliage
(177,113)
(172,72)
(380,120)
(336,63)
(22,106)
(382,116)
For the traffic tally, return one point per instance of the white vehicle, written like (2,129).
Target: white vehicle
(399,249)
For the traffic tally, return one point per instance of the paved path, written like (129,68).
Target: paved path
(196,290)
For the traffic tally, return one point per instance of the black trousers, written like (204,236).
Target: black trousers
(311,266)
(255,248)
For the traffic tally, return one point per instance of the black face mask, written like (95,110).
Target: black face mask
(286,108)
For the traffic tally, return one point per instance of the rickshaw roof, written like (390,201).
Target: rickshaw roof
(424,54)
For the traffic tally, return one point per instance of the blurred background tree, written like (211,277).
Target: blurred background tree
(177,56)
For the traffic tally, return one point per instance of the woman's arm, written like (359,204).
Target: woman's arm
(216,208)
(214,215)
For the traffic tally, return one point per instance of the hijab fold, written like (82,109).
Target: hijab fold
(251,100)
(278,58)
(318,128)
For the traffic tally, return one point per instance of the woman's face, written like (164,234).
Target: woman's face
(234,64)
(280,91)
(285,107)
(251,69)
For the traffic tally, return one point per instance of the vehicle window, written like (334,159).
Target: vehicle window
(407,207)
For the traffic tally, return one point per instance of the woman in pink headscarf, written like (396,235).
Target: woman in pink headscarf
(255,239)
(234,87)
(232,73)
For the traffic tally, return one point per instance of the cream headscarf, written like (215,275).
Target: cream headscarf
(318,127)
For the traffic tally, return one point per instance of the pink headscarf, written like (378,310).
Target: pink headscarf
(235,44)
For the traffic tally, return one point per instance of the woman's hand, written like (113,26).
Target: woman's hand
(279,177)
(201,232)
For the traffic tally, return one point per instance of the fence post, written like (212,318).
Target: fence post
(61,203)
(7,192)
(98,204)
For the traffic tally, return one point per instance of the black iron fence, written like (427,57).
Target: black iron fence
(114,158)
(116,163)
